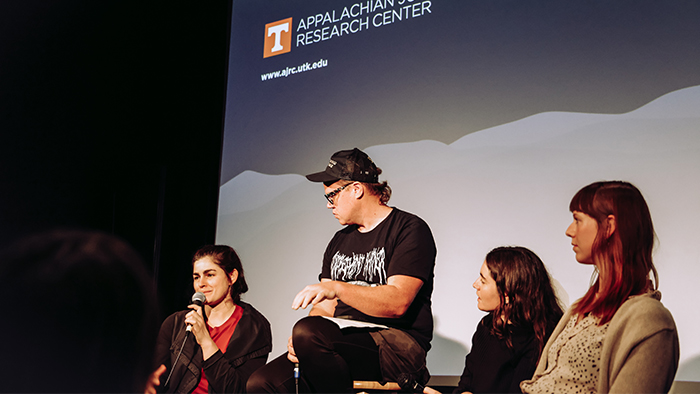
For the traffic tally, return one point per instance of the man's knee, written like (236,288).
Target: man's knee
(274,377)
(258,382)
(313,334)
(304,332)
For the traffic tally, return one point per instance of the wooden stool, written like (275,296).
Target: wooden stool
(367,386)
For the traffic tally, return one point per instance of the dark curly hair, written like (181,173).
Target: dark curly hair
(531,300)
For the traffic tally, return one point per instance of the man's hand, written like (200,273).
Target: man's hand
(313,294)
(291,355)
(389,301)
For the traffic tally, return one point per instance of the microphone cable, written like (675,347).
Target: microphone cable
(172,368)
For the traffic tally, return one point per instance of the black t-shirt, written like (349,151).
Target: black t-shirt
(491,367)
(402,244)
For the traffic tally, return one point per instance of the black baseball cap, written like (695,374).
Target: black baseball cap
(350,165)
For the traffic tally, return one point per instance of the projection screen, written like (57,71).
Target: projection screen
(485,116)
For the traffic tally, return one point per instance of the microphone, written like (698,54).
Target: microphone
(198,299)
(409,384)
(296,377)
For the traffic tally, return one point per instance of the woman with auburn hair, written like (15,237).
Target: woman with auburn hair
(618,337)
(516,290)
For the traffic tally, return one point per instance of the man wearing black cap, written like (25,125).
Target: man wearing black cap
(378,269)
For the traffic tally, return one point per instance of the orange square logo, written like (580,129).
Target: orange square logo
(278,38)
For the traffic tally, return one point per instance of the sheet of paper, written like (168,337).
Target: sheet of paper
(344,323)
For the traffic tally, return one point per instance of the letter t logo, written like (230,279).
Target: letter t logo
(278,38)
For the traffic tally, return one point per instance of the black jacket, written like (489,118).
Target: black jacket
(228,372)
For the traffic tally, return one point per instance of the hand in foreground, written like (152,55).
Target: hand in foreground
(313,294)
(291,356)
(154,380)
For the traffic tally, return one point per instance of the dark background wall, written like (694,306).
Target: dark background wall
(110,117)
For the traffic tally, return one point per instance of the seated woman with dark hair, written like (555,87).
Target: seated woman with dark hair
(231,338)
(515,288)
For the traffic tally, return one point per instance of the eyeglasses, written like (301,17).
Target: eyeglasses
(329,196)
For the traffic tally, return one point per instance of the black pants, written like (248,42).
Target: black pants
(329,360)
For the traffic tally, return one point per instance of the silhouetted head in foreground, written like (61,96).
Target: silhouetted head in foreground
(80,314)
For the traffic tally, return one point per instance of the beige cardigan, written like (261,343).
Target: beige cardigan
(640,350)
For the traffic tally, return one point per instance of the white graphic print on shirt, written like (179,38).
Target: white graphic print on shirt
(368,267)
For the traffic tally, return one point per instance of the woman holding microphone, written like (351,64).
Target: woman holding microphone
(231,339)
